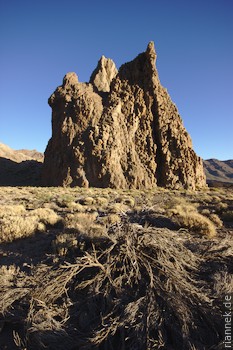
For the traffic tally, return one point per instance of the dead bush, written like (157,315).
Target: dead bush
(102,201)
(195,222)
(87,201)
(187,216)
(110,219)
(117,208)
(18,223)
(65,243)
(11,210)
(81,221)
(136,289)
(216,220)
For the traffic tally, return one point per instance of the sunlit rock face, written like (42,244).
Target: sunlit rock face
(121,130)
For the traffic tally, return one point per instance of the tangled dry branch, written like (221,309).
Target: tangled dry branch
(138,288)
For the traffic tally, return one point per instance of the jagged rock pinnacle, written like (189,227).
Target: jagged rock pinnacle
(103,75)
(151,49)
(121,130)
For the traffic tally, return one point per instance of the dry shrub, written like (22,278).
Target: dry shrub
(110,219)
(96,230)
(76,207)
(216,220)
(65,201)
(220,207)
(86,201)
(195,222)
(205,212)
(81,221)
(212,217)
(102,201)
(12,282)
(65,243)
(137,289)
(46,326)
(217,265)
(208,198)
(86,224)
(11,210)
(18,223)
(15,227)
(186,216)
(47,216)
(117,208)
(216,199)
(223,283)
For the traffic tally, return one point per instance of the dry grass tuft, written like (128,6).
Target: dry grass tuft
(110,219)
(81,221)
(11,210)
(16,222)
(85,223)
(117,208)
(87,201)
(102,201)
(216,220)
(186,216)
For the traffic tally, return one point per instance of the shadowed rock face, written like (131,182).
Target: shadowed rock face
(121,130)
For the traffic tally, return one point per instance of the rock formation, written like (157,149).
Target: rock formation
(103,75)
(121,130)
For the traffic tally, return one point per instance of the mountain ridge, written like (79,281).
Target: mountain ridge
(219,170)
(20,155)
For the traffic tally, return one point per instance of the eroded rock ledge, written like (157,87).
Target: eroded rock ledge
(121,130)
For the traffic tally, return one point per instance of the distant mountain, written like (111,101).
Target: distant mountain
(218,171)
(20,167)
(20,155)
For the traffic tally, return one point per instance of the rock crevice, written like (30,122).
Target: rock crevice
(121,130)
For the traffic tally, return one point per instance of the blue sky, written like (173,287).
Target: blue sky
(40,41)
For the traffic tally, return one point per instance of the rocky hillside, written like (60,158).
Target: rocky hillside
(219,171)
(121,130)
(20,167)
(20,155)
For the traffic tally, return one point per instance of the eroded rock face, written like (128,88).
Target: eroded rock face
(121,130)
(103,75)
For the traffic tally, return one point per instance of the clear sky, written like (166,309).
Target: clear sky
(40,41)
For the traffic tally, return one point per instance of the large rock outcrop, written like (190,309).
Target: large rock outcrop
(121,130)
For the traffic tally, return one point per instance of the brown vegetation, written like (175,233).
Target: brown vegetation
(106,269)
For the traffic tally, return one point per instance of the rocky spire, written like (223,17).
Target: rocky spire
(132,138)
(103,75)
